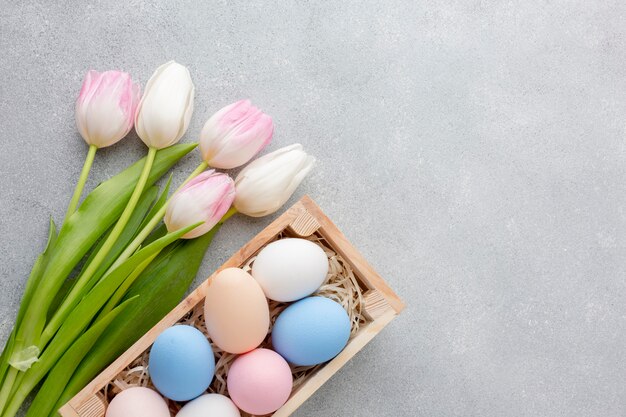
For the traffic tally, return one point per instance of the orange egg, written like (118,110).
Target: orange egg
(235,311)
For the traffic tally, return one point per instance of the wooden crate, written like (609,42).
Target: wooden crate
(303,219)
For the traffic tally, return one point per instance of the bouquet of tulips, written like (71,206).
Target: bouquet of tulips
(73,321)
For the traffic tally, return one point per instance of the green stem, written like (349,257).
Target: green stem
(20,391)
(230,213)
(148,228)
(7,387)
(121,290)
(194,174)
(78,191)
(4,358)
(75,294)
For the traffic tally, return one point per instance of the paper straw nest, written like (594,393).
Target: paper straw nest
(341,285)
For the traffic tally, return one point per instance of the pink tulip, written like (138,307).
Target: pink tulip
(235,134)
(205,198)
(105,108)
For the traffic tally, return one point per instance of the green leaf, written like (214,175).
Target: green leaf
(52,237)
(52,388)
(123,288)
(158,205)
(131,229)
(37,272)
(85,311)
(31,285)
(162,286)
(97,213)
(157,233)
(4,358)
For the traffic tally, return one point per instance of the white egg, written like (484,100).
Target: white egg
(210,405)
(290,269)
(138,402)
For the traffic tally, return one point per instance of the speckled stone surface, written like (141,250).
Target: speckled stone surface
(474,151)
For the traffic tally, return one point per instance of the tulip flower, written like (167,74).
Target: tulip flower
(267,183)
(206,198)
(105,111)
(105,108)
(165,109)
(235,134)
(161,120)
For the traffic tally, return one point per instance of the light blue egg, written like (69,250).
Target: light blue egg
(181,363)
(311,331)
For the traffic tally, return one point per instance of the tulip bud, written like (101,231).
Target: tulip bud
(205,198)
(268,182)
(165,109)
(233,135)
(105,108)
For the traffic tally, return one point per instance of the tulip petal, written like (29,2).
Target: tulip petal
(268,182)
(164,112)
(105,108)
(205,199)
(234,135)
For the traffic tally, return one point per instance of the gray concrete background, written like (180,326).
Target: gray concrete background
(474,151)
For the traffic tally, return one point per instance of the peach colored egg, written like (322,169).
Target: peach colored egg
(259,382)
(138,402)
(235,311)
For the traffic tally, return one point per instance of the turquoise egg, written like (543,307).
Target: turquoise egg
(311,331)
(181,363)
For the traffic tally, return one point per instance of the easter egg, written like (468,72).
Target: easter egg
(235,311)
(138,402)
(290,269)
(259,382)
(311,331)
(210,405)
(181,363)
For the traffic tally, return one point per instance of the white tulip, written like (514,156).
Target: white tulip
(267,183)
(165,109)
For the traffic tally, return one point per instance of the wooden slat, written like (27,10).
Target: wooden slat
(68,411)
(375,304)
(338,241)
(93,407)
(304,225)
(316,380)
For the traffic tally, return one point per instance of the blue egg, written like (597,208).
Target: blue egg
(311,331)
(181,363)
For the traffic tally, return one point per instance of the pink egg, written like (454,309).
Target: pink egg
(138,402)
(259,382)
